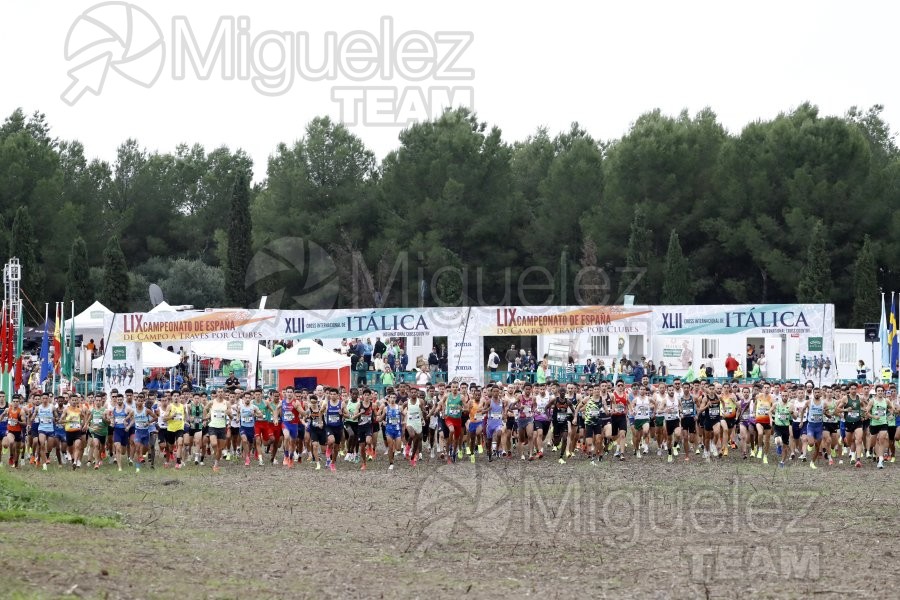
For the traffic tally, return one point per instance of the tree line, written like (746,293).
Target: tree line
(801,207)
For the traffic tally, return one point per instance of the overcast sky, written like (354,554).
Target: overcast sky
(601,63)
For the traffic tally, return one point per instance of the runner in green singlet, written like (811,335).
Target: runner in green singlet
(852,409)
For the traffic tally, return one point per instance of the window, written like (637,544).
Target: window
(600,345)
(709,346)
(417,342)
(847,353)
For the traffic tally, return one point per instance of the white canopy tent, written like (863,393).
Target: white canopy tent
(152,357)
(248,350)
(89,322)
(306,354)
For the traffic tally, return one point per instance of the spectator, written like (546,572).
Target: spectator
(638,371)
(541,374)
(511,356)
(91,347)
(387,378)
(422,377)
(663,370)
(731,365)
(701,374)
(493,361)
(590,370)
(601,368)
(761,361)
(361,369)
(379,348)
(391,354)
(861,371)
(690,377)
(379,363)
(367,350)
(710,373)
(754,372)
(433,363)
(232,381)
(570,369)
(404,361)
(827,366)
(443,364)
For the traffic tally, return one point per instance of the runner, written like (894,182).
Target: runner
(815,425)
(291,425)
(367,411)
(45,417)
(392,416)
(496,422)
(351,426)
(764,404)
(852,409)
(563,413)
(688,431)
(477,410)
(334,426)
(642,409)
(216,414)
(13,417)
(414,421)
(619,409)
(74,424)
(249,413)
(451,406)
(593,409)
(100,420)
(122,420)
(672,414)
(781,414)
(143,419)
(879,410)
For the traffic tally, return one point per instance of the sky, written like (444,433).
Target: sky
(379,66)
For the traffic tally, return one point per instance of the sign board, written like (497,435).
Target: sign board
(119,353)
(815,344)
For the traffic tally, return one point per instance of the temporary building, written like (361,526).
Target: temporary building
(308,364)
(248,350)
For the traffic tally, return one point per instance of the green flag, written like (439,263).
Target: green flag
(69,353)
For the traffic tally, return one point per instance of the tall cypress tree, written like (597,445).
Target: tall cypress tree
(677,287)
(636,277)
(115,277)
(815,279)
(866,295)
(239,239)
(78,285)
(24,245)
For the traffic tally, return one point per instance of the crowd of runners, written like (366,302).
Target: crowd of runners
(852,423)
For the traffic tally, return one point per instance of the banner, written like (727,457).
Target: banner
(122,367)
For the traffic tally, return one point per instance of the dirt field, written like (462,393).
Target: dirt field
(641,528)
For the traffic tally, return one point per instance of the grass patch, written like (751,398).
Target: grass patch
(21,501)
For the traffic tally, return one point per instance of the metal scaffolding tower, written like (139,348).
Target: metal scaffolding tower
(12,281)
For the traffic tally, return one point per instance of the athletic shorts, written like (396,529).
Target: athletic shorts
(689,424)
(364,431)
(851,426)
(619,423)
(335,431)
(658,422)
(172,436)
(317,436)
(120,436)
(639,423)
(765,426)
(523,423)
(892,432)
(60,434)
(593,429)
(392,431)
(3,428)
(474,425)
(99,437)
(235,431)
(511,423)
(784,432)
(218,433)
(797,429)
(580,422)
(710,422)
(492,428)
(142,437)
(544,426)
(249,433)
(194,431)
(72,437)
(259,430)
(292,430)
(876,429)
(731,422)
(454,422)
(351,428)
(16,435)
(866,423)
(831,427)
(671,426)
(814,430)
(416,427)
(131,431)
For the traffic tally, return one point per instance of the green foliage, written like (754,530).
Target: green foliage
(866,298)
(815,279)
(78,284)
(21,501)
(237,292)
(635,278)
(116,290)
(456,199)
(677,283)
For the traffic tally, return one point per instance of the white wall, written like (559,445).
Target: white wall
(851,345)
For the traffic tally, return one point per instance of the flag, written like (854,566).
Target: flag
(892,336)
(70,348)
(885,335)
(45,351)
(57,350)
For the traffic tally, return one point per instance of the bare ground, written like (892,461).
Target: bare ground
(640,528)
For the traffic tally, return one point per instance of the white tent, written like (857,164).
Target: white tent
(248,350)
(90,321)
(306,354)
(152,357)
(162,307)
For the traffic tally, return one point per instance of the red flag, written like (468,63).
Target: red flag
(10,346)
(4,360)
(18,382)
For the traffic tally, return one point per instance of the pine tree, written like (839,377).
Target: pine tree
(815,278)
(237,292)
(115,277)
(866,297)
(589,282)
(78,285)
(635,278)
(24,245)
(677,287)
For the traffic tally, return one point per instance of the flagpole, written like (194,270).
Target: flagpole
(55,358)
(46,325)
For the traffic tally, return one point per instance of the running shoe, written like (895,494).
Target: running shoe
(468,450)
(593,463)
(413,462)
(260,460)
(390,467)
(670,459)
(812,465)
(363,468)
(781,464)
(44,468)
(178,467)
(319,466)
(540,454)
(858,464)
(480,449)
(562,461)
(247,461)
(766,459)
(137,469)
(333,468)
(830,462)
(472,459)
